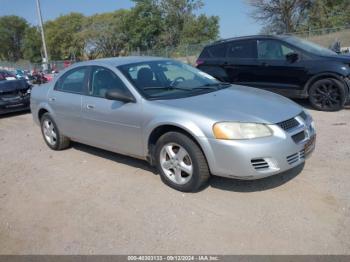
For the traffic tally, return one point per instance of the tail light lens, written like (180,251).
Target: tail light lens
(199,62)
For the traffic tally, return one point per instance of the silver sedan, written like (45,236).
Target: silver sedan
(180,119)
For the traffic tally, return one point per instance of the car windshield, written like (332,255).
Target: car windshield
(309,46)
(167,79)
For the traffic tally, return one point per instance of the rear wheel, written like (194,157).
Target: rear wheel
(52,136)
(181,162)
(328,95)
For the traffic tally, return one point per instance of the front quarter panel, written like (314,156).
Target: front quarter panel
(184,123)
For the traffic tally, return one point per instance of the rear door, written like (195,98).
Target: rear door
(275,72)
(241,62)
(66,98)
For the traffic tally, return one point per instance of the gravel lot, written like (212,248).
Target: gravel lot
(89,201)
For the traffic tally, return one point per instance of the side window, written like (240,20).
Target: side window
(73,81)
(103,80)
(242,49)
(218,51)
(273,50)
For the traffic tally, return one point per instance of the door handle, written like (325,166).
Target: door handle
(52,99)
(90,106)
(264,64)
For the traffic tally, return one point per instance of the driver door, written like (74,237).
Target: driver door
(275,72)
(110,124)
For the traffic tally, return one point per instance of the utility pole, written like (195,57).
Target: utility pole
(45,58)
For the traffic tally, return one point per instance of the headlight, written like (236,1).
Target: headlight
(236,131)
(307,113)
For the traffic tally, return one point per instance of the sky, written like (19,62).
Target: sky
(234,14)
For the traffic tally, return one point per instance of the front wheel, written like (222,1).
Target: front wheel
(328,95)
(181,163)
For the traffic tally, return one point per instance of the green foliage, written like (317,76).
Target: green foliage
(31,46)
(61,36)
(144,25)
(104,35)
(329,13)
(150,24)
(12,29)
(285,16)
(200,29)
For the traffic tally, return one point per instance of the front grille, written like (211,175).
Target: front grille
(260,164)
(292,159)
(299,137)
(288,124)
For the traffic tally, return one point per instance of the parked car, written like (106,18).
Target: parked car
(286,65)
(180,119)
(14,93)
(38,78)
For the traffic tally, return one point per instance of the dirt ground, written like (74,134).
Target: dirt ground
(88,201)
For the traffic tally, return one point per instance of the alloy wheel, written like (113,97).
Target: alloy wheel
(176,163)
(49,132)
(327,95)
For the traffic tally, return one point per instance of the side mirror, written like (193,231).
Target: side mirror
(117,95)
(292,57)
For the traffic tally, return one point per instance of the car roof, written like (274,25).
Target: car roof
(118,61)
(250,37)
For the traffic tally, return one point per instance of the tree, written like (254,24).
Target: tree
(104,34)
(144,25)
(329,13)
(32,45)
(175,13)
(62,36)
(280,16)
(200,29)
(12,30)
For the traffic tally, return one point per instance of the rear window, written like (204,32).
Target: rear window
(242,49)
(216,51)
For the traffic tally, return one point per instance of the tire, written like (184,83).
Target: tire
(186,156)
(48,128)
(328,95)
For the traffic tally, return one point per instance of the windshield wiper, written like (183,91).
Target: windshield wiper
(166,87)
(214,86)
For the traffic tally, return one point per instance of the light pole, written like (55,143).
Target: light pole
(45,58)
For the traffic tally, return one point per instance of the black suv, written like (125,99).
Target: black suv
(287,65)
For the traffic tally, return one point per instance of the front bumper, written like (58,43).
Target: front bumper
(347,81)
(14,105)
(259,158)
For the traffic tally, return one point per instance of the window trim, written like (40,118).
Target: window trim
(84,90)
(89,82)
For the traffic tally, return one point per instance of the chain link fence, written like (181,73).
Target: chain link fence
(189,53)
(27,66)
(327,36)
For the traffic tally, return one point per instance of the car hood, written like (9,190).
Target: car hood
(341,58)
(238,103)
(13,85)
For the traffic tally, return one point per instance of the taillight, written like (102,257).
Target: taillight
(199,62)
